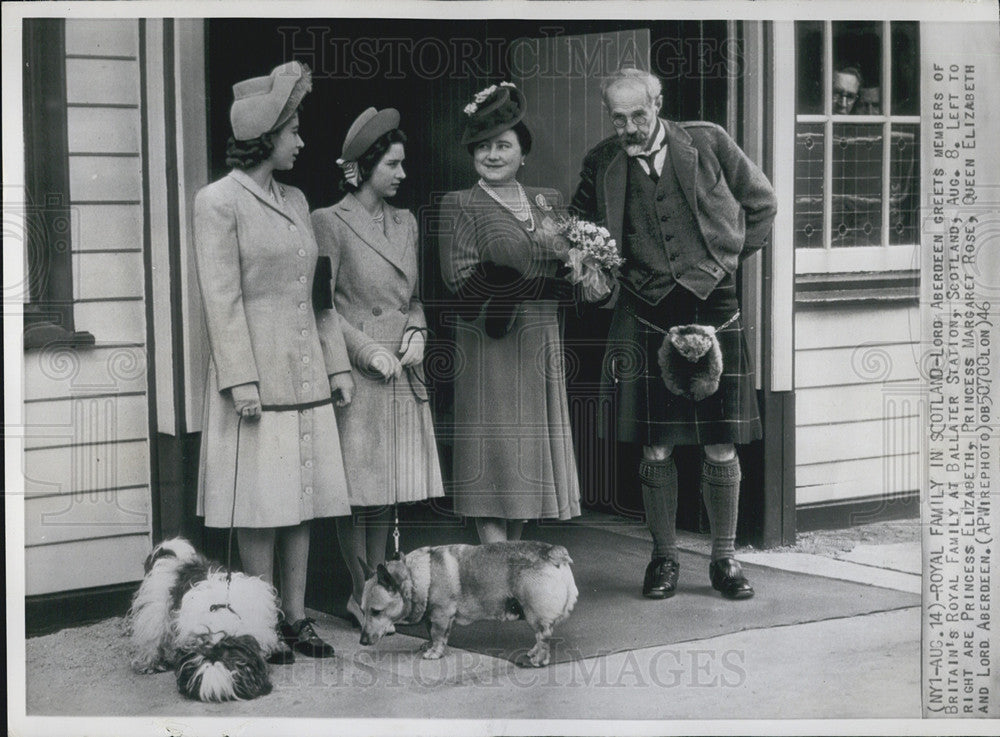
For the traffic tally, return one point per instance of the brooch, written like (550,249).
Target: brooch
(542,203)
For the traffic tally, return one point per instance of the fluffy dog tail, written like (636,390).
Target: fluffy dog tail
(231,669)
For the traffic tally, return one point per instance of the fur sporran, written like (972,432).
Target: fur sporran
(691,361)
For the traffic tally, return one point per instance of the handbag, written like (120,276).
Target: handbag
(322,290)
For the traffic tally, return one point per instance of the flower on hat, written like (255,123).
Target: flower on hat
(482,96)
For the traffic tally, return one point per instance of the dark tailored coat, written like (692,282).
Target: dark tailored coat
(733,205)
(387,435)
(255,259)
(729,195)
(513,445)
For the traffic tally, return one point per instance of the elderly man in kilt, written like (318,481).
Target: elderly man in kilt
(686,205)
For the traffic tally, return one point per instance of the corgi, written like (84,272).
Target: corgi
(459,584)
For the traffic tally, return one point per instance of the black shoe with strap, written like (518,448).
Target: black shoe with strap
(302,637)
(727,578)
(660,581)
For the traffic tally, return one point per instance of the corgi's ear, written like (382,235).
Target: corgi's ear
(385,578)
(366,568)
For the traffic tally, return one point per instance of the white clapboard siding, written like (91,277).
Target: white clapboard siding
(102,227)
(81,468)
(62,373)
(101,82)
(115,322)
(862,364)
(103,179)
(885,477)
(102,37)
(853,325)
(86,515)
(87,460)
(107,276)
(85,563)
(103,130)
(856,402)
(846,441)
(85,420)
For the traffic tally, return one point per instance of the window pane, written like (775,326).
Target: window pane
(904,185)
(809,185)
(857,67)
(905,68)
(809,81)
(857,185)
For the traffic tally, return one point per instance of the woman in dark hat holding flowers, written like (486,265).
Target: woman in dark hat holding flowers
(513,451)
(386,433)
(270,455)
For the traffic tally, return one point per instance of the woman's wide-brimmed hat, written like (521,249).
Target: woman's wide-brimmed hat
(493,110)
(263,104)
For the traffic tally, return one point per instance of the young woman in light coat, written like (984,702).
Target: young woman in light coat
(386,433)
(270,433)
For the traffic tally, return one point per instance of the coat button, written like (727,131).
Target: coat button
(376,310)
(305,359)
(292,228)
(404,309)
(302,279)
(668,237)
(304,333)
(309,464)
(661,197)
(302,252)
(302,306)
(664,218)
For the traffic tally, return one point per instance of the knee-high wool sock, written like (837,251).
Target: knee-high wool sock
(659,497)
(720,488)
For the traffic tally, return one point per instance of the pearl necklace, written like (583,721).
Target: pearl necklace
(522,205)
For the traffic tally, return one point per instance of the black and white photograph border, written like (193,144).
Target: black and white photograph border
(855,165)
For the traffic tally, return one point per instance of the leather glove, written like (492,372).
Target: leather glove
(380,361)
(246,400)
(412,348)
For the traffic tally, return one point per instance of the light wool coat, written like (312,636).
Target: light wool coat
(255,257)
(387,435)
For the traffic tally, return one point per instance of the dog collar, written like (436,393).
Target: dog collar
(419,563)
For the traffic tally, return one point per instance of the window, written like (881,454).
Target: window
(857,145)
(46,217)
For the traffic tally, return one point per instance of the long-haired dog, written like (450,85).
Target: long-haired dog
(458,584)
(216,634)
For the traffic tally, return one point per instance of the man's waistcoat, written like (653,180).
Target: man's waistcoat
(663,243)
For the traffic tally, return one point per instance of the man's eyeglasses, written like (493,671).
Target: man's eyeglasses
(639,118)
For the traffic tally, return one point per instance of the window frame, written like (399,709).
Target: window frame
(48,309)
(853,259)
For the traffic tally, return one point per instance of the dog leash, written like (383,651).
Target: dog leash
(236,475)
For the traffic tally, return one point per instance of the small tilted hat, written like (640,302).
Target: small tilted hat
(263,104)
(367,128)
(492,111)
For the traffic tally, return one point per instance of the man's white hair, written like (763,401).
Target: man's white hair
(633,77)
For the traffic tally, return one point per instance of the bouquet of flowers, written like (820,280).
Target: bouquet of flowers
(592,258)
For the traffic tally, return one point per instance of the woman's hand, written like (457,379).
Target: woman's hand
(382,362)
(246,400)
(412,348)
(342,388)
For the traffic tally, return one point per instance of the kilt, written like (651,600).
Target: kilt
(642,409)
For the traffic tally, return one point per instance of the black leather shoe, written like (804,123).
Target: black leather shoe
(660,581)
(283,655)
(728,579)
(301,637)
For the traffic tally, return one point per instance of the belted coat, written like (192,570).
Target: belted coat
(255,255)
